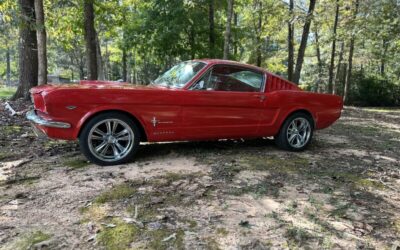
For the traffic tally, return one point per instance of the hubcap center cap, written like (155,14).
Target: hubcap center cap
(111,139)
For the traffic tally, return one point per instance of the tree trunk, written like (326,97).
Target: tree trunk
(383,57)
(303,44)
(259,30)
(338,68)
(124,65)
(211,29)
(290,42)
(28,56)
(318,59)
(192,41)
(81,68)
(41,42)
(351,52)
(90,39)
(8,69)
(227,37)
(235,43)
(100,66)
(333,52)
(134,75)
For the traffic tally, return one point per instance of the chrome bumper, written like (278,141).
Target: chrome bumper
(33,117)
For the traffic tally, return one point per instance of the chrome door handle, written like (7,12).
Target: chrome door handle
(262,98)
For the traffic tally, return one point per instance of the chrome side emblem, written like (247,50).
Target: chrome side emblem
(154,121)
(71,107)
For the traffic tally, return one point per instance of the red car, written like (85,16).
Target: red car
(194,100)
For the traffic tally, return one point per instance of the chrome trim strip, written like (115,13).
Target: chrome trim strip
(33,117)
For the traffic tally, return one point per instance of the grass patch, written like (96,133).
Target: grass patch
(3,156)
(340,211)
(94,212)
(273,162)
(292,207)
(211,243)
(123,234)
(157,236)
(355,179)
(297,236)
(10,130)
(76,163)
(28,241)
(54,143)
(118,237)
(269,186)
(222,231)
(118,192)
(27,180)
(7,92)
(397,226)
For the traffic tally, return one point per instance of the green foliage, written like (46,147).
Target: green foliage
(374,90)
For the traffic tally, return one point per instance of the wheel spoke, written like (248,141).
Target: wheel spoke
(122,133)
(294,125)
(104,151)
(120,147)
(114,127)
(291,138)
(115,150)
(98,138)
(302,125)
(108,125)
(125,138)
(301,140)
(98,131)
(101,146)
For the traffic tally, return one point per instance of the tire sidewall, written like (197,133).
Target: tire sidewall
(83,138)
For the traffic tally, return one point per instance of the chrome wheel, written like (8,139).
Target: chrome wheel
(298,132)
(111,140)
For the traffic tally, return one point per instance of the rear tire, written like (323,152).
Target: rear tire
(110,139)
(296,132)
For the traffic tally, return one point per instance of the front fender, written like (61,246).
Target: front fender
(101,109)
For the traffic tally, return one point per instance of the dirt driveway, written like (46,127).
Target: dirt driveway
(341,193)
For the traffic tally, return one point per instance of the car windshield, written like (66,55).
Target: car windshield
(179,75)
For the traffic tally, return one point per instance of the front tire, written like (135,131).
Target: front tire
(296,132)
(109,139)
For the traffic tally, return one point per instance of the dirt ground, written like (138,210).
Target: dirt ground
(342,193)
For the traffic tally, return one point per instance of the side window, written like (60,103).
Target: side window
(230,78)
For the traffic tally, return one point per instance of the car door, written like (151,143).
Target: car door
(227,102)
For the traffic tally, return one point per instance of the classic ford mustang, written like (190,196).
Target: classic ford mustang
(194,100)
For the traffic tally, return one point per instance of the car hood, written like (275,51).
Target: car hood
(92,85)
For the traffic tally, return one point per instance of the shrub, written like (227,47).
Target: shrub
(373,90)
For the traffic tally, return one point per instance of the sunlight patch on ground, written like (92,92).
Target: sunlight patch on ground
(7,92)
(383,110)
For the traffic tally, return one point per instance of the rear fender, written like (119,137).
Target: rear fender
(285,113)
